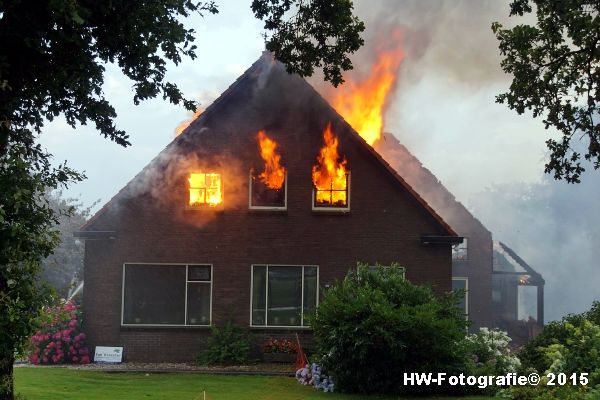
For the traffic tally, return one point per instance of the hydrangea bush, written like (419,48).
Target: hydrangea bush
(313,376)
(59,338)
(491,352)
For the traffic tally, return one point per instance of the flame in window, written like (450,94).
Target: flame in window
(330,176)
(205,189)
(274,174)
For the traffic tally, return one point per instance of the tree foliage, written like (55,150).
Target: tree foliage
(54,54)
(27,236)
(556,76)
(311,33)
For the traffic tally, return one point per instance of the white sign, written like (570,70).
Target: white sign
(108,354)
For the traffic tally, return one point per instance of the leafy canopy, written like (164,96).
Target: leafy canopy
(318,33)
(556,76)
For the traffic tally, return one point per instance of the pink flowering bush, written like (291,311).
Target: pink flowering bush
(59,339)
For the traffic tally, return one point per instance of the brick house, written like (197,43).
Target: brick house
(162,262)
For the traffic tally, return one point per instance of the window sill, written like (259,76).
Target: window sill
(267,210)
(141,328)
(329,211)
(205,208)
(280,328)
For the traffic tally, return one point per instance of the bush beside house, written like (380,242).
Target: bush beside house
(373,326)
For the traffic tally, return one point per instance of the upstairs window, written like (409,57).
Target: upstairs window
(331,178)
(459,251)
(205,190)
(268,185)
(333,193)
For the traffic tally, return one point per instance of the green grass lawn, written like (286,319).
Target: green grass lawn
(68,384)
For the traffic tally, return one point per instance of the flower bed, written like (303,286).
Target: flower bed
(279,351)
(59,339)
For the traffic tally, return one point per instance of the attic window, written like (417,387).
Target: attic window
(206,190)
(264,197)
(268,186)
(334,195)
(331,178)
(459,251)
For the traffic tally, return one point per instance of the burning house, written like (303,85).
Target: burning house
(263,200)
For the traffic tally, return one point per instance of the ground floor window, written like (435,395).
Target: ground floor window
(167,294)
(459,283)
(402,270)
(283,295)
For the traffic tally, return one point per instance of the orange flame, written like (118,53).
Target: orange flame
(330,176)
(274,174)
(362,103)
(205,189)
(181,127)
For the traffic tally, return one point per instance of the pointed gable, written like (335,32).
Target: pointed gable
(264,97)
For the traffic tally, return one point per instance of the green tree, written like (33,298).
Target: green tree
(52,63)
(556,76)
(319,33)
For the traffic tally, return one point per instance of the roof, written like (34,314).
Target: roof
(252,76)
(427,184)
(509,262)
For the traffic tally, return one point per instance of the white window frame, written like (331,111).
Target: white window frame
(187,281)
(373,268)
(266,325)
(458,247)
(466,279)
(205,206)
(334,209)
(267,208)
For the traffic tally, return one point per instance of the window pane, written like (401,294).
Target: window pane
(199,273)
(285,296)
(258,295)
(310,291)
(154,294)
(263,196)
(461,284)
(198,303)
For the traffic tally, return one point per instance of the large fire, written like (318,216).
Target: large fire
(330,176)
(362,103)
(274,174)
(205,189)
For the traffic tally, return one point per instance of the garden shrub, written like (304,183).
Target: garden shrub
(58,338)
(534,354)
(373,326)
(228,345)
